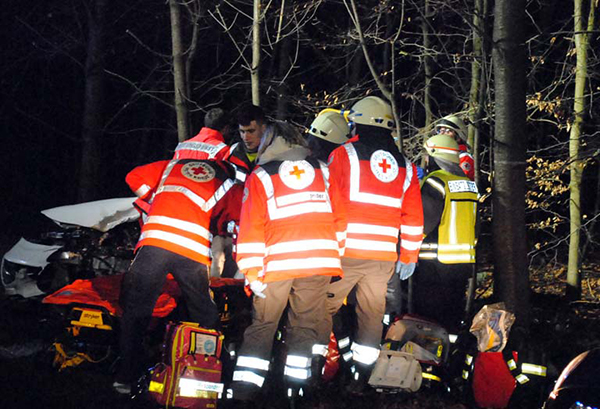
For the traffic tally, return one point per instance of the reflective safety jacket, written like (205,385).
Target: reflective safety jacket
(453,241)
(239,157)
(143,181)
(466,161)
(208,144)
(376,199)
(190,193)
(286,224)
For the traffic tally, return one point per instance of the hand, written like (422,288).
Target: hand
(405,270)
(258,288)
(420,172)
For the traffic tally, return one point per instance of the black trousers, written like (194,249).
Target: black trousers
(141,288)
(440,292)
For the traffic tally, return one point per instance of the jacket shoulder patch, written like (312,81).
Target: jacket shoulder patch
(296,174)
(384,166)
(198,172)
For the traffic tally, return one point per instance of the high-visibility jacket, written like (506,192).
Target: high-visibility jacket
(286,224)
(208,144)
(453,241)
(189,194)
(376,198)
(143,181)
(466,161)
(239,157)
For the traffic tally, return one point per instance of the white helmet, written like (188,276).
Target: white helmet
(443,147)
(455,123)
(372,111)
(331,126)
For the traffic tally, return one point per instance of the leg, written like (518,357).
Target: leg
(336,294)
(307,310)
(192,278)
(254,356)
(145,280)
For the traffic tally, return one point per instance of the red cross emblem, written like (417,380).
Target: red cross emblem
(199,170)
(384,165)
(297,172)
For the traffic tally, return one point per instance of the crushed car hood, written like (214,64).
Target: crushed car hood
(101,215)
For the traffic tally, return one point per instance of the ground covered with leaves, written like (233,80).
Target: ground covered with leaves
(29,378)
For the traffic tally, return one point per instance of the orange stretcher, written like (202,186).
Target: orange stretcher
(94,307)
(104,292)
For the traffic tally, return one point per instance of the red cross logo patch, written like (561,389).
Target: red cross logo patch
(198,171)
(296,174)
(384,166)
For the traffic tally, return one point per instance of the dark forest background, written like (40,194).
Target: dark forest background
(311,58)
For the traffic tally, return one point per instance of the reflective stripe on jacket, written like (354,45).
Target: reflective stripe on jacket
(453,242)
(375,194)
(286,223)
(208,144)
(189,193)
(143,181)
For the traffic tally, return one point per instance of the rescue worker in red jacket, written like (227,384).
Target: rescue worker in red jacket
(376,198)
(210,142)
(447,256)
(455,127)
(251,126)
(288,251)
(175,239)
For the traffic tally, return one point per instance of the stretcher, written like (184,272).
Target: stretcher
(92,312)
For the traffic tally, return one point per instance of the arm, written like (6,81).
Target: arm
(432,194)
(143,180)
(251,238)
(411,221)
(338,193)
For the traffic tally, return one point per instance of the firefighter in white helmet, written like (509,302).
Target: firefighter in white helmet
(328,131)
(377,205)
(447,256)
(453,126)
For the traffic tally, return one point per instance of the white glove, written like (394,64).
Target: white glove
(258,288)
(405,270)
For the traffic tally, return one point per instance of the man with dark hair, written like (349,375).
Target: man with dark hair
(209,143)
(216,118)
(251,124)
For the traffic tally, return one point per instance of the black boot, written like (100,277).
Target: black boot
(359,380)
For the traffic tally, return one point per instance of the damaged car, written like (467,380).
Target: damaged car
(72,242)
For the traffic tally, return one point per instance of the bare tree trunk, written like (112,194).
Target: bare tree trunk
(427,63)
(511,275)
(256,53)
(576,166)
(477,92)
(179,75)
(93,115)
(387,93)
(283,68)
(483,81)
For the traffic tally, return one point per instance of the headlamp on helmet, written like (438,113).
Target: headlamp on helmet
(330,125)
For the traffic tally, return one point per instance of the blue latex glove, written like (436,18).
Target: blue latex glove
(405,270)
(420,172)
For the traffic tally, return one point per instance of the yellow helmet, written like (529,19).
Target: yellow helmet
(331,126)
(443,147)
(455,123)
(372,111)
